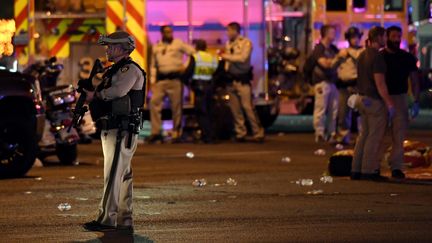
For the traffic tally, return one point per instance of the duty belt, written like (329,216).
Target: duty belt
(107,123)
(169,76)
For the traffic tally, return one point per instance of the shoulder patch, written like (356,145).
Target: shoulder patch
(124,69)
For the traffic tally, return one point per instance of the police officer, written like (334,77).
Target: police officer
(166,71)
(115,108)
(205,66)
(346,63)
(238,57)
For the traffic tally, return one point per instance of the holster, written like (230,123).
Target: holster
(244,78)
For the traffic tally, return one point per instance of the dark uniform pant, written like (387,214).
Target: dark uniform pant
(203,91)
(116,204)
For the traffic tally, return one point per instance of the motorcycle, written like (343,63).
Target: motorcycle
(58,101)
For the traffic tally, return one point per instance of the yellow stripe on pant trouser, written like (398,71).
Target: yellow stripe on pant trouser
(116,204)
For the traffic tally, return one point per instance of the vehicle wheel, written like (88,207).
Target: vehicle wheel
(18,147)
(67,153)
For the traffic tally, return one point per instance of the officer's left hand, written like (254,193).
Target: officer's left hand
(415,109)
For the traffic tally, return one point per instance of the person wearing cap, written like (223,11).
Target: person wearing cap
(401,68)
(205,66)
(114,106)
(166,71)
(346,63)
(375,106)
(237,58)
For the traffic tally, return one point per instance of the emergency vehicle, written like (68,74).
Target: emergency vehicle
(68,30)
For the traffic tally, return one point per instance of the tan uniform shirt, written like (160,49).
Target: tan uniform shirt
(238,55)
(168,57)
(127,78)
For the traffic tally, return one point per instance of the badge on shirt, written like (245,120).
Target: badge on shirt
(124,69)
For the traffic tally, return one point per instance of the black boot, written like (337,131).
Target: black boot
(96,226)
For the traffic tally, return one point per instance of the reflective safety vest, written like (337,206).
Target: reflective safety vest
(205,66)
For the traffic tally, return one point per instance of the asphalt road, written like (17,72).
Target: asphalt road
(265,205)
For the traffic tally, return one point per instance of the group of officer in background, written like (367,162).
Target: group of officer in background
(168,73)
(373,80)
(367,78)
